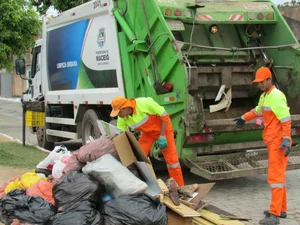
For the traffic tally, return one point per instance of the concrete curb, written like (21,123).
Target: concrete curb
(11,99)
(27,143)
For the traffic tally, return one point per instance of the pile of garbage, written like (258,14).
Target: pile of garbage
(88,186)
(109,181)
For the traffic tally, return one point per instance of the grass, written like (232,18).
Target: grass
(13,154)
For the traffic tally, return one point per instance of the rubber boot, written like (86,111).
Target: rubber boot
(283,215)
(270,219)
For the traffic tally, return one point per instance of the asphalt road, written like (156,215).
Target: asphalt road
(244,197)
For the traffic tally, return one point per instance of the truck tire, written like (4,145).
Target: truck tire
(42,140)
(90,126)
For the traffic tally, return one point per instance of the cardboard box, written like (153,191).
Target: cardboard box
(130,152)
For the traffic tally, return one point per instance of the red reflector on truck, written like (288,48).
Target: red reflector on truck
(200,138)
(167,99)
(177,12)
(260,16)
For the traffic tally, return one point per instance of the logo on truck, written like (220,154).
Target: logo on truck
(101,37)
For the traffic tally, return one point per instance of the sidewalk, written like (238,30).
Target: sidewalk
(17,99)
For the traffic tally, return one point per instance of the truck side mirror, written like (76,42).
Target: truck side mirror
(20,66)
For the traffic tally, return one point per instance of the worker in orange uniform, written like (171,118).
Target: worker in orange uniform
(145,115)
(273,108)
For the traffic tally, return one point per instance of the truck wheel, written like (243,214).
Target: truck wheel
(90,126)
(42,140)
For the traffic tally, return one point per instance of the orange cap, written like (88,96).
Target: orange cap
(262,74)
(116,105)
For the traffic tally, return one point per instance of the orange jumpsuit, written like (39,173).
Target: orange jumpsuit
(147,118)
(273,108)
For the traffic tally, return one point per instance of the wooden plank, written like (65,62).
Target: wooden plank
(163,186)
(182,209)
(201,221)
(233,217)
(189,204)
(176,219)
(216,219)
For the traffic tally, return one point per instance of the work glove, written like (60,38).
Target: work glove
(239,122)
(287,145)
(162,142)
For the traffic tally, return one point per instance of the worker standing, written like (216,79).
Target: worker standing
(145,115)
(273,108)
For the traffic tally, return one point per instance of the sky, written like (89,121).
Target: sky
(280,1)
(52,12)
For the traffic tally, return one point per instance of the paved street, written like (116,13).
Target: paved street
(244,197)
(11,121)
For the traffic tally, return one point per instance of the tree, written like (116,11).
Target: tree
(19,24)
(60,5)
(286,4)
(41,5)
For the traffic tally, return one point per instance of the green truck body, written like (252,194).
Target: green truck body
(185,54)
(173,42)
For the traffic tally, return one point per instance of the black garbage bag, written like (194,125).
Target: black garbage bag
(108,220)
(77,197)
(136,210)
(27,209)
(82,214)
(75,187)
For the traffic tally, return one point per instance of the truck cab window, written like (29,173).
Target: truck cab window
(36,61)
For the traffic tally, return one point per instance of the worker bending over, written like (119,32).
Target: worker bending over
(145,115)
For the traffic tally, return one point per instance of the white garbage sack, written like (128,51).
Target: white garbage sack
(57,170)
(118,180)
(57,154)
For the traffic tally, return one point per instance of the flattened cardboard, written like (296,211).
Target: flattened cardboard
(130,151)
(202,190)
(137,150)
(124,149)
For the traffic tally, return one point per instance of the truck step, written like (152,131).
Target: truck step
(58,120)
(253,163)
(64,134)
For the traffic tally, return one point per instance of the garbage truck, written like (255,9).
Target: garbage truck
(196,58)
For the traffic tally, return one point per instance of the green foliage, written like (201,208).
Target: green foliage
(13,154)
(19,24)
(290,3)
(60,5)
(67,4)
(41,6)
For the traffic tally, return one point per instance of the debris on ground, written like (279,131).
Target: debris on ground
(109,181)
